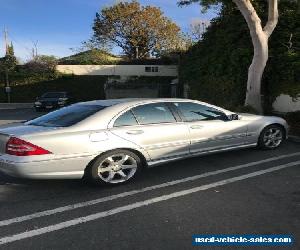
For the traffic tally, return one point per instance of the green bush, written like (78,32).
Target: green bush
(82,88)
(216,67)
(293,117)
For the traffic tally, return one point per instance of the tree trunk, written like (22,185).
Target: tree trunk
(260,37)
(255,72)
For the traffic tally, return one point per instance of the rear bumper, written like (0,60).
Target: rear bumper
(64,168)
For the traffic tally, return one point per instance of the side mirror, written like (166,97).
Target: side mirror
(233,117)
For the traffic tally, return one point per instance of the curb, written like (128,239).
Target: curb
(294,138)
(16,105)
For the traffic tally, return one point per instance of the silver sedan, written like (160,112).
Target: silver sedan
(110,141)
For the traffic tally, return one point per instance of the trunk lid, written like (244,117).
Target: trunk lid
(19,131)
(23,129)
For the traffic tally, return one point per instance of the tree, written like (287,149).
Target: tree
(42,64)
(260,35)
(8,64)
(9,61)
(140,31)
(197,29)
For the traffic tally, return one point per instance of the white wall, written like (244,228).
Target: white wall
(285,104)
(118,70)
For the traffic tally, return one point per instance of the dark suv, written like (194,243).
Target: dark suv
(52,100)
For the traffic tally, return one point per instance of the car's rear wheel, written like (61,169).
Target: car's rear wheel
(114,167)
(271,137)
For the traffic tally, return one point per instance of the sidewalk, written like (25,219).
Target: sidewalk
(294,138)
(16,105)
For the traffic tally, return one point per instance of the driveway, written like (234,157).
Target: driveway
(239,192)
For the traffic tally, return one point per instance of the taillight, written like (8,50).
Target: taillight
(18,147)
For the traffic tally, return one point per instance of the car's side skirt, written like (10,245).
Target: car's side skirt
(169,159)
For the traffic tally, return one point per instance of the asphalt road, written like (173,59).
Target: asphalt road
(241,192)
(8,116)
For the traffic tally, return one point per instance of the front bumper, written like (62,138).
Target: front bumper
(49,105)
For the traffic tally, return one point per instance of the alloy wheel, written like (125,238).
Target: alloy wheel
(117,168)
(272,137)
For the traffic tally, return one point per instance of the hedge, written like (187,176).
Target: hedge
(82,88)
(216,67)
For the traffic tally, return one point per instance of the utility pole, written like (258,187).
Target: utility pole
(5,40)
(34,49)
(7,87)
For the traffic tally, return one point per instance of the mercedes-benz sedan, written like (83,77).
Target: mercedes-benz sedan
(110,141)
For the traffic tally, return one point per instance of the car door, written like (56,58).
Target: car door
(153,127)
(210,128)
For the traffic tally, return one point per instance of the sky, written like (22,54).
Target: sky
(56,26)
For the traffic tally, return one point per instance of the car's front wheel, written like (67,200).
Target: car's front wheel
(271,137)
(114,167)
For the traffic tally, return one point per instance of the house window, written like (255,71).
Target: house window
(154,69)
(151,69)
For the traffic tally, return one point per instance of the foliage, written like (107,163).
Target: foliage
(245,109)
(40,68)
(90,57)
(82,88)
(9,61)
(293,120)
(216,67)
(42,63)
(140,31)
(282,74)
(197,29)
(205,4)
(98,57)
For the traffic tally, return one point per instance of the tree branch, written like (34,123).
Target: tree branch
(272,17)
(250,15)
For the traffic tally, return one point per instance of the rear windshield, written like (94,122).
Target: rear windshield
(54,95)
(67,116)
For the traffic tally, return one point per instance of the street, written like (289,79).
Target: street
(248,191)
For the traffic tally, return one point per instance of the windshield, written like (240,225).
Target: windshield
(67,116)
(53,95)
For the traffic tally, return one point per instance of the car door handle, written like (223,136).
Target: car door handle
(135,132)
(196,127)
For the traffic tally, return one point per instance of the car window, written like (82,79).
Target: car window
(153,113)
(66,117)
(126,119)
(197,112)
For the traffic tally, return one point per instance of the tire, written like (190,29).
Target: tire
(38,109)
(271,137)
(108,168)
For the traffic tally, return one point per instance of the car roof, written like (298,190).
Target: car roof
(50,92)
(118,106)
(132,101)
